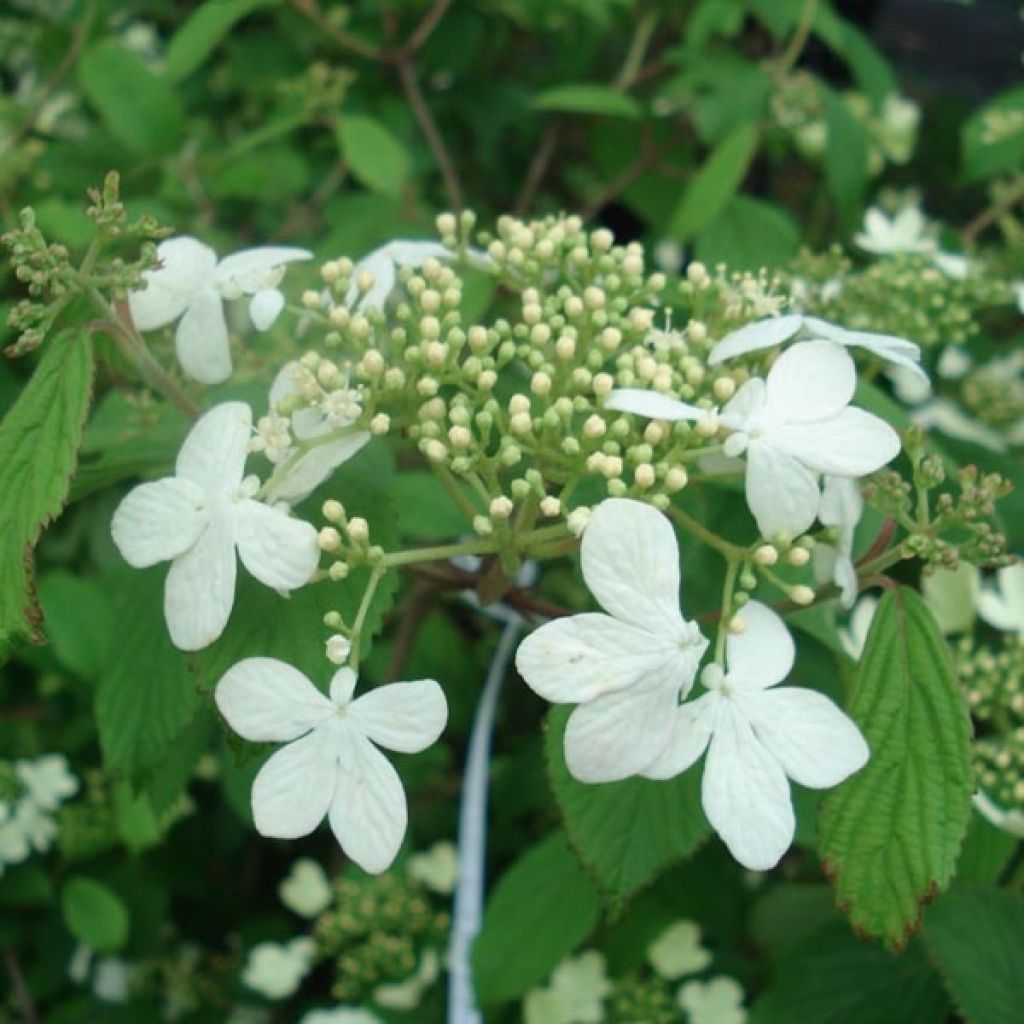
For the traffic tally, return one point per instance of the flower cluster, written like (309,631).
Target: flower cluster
(31,791)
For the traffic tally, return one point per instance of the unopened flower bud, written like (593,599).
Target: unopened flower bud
(766,554)
(802,595)
(724,388)
(577,520)
(501,507)
(798,556)
(333,511)
(676,479)
(380,424)
(329,539)
(644,475)
(358,530)
(338,649)
(550,506)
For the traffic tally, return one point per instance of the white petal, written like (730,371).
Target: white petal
(201,340)
(763,654)
(186,266)
(781,492)
(896,350)
(266,700)
(381,269)
(816,744)
(841,506)
(630,562)
(745,793)
(995,610)
(951,595)
(691,732)
(248,271)
(265,307)
(407,717)
(158,521)
(943,415)
(200,588)
(755,336)
(214,452)
(416,252)
(581,657)
(652,404)
(750,399)
(811,380)
(294,789)
(369,814)
(316,465)
(851,443)
(621,733)
(278,550)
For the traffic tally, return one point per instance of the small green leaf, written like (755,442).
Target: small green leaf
(587,98)
(94,914)
(626,833)
(376,157)
(890,835)
(147,695)
(748,234)
(139,108)
(540,910)
(202,31)
(39,439)
(975,934)
(830,977)
(716,182)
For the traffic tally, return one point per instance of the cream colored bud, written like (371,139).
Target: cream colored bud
(486,380)
(766,554)
(359,327)
(501,507)
(540,383)
(644,475)
(339,316)
(394,377)
(655,432)
(707,426)
(434,450)
(333,620)
(565,347)
(737,625)
(695,374)
(482,525)
(358,530)
(550,506)
(518,403)
(595,426)
(338,649)
(521,423)
(333,511)
(594,297)
(697,273)
(380,424)
(338,571)
(330,272)
(573,305)
(602,240)
(329,539)
(311,299)
(697,331)
(802,595)
(477,337)
(460,437)
(724,388)
(372,362)
(540,334)
(798,556)
(577,520)
(435,353)
(676,479)
(532,312)
(611,339)
(603,384)
(646,367)
(662,380)
(430,301)
(446,224)
(633,264)
(595,462)
(427,386)
(641,319)
(612,467)
(430,328)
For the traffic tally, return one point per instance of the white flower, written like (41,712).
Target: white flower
(1011,821)
(625,667)
(793,425)
(341,1015)
(310,423)
(907,231)
(407,994)
(276,970)
(48,780)
(841,507)
(380,270)
(952,264)
(942,415)
(191,284)
(774,331)
(14,844)
(112,980)
(910,388)
(1002,606)
(307,889)
(718,1001)
(954,363)
(198,518)
(330,765)
(951,595)
(756,736)
(855,635)
(37,827)
(677,951)
(576,994)
(436,868)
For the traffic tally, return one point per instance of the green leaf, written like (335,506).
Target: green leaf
(890,834)
(626,833)
(540,910)
(846,155)
(870,70)
(975,934)
(147,695)
(376,157)
(832,978)
(985,852)
(987,154)
(748,234)
(79,620)
(202,31)
(588,98)
(39,439)
(94,914)
(716,182)
(138,107)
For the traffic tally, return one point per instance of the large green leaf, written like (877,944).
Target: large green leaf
(202,31)
(39,439)
(975,934)
(540,910)
(376,157)
(716,182)
(748,234)
(138,107)
(626,832)
(846,155)
(94,914)
(147,695)
(890,835)
(832,978)
(588,98)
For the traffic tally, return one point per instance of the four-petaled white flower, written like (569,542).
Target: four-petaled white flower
(1002,606)
(198,518)
(793,425)
(677,951)
(841,507)
(307,889)
(378,271)
(436,868)
(276,970)
(778,330)
(718,1001)
(47,780)
(190,283)
(626,667)
(329,412)
(330,765)
(907,231)
(575,995)
(755,737)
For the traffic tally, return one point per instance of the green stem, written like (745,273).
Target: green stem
(723,547)
(801,34)
(731,572)
(364,607)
